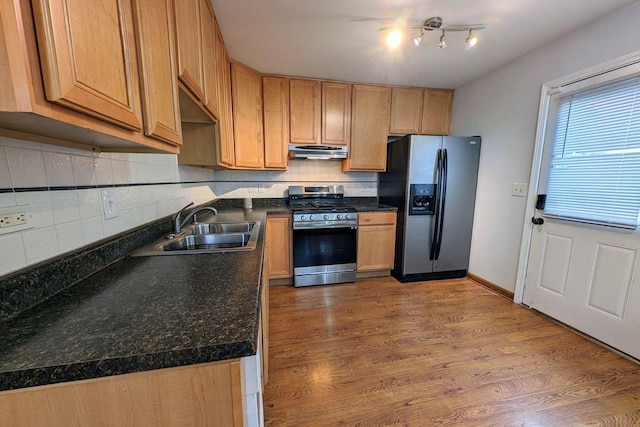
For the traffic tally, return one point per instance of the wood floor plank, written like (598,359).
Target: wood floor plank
(440,353)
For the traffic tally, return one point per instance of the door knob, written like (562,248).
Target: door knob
(537,221)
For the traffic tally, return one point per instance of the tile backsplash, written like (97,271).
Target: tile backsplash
(62,188)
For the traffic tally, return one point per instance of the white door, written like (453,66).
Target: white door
(587,277)
(582,274)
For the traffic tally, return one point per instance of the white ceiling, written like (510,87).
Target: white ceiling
(341,39)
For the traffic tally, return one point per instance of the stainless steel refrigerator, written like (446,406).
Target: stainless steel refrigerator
(432,182)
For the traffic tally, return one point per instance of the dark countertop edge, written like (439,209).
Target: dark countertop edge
(48,375)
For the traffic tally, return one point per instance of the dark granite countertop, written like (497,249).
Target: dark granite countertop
(138,313)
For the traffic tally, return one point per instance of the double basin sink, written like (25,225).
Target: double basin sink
(206,238)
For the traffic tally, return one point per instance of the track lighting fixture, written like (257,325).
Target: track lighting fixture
(394,39)
(443,42)
(435,24)
(418,39)
(471,40)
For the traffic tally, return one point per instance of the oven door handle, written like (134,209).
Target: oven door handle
(323,226)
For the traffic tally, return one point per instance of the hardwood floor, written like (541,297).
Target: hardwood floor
(441,353)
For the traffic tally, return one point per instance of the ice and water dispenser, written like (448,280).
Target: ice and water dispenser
(422,199)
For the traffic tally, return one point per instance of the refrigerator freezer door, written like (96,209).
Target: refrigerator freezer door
(418,229)
(463,156)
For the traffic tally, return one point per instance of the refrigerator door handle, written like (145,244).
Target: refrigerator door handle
(443,201)
(434,238)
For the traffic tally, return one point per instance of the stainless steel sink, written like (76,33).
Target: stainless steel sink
(206,238)
(218,228)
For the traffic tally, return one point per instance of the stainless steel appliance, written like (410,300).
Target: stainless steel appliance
(318,152)
(432,182)
(324,235)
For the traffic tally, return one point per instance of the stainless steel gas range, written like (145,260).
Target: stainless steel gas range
(324,235)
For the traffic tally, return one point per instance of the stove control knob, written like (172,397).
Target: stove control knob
(302,218)
(325,217)
(310,217)
(338,217)
(347,216)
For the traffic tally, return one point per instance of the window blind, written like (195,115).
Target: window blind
(595,164)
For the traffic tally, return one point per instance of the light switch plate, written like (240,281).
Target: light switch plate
(109,206)
(519,189)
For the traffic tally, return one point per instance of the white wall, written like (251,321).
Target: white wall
(502,107)
(67,218)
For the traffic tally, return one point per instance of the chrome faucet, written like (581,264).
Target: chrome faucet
(178,223)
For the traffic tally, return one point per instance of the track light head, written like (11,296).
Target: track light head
(471,40)
(394,39)
(443,42)
(418,39)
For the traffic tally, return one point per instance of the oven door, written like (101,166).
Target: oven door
(324,256)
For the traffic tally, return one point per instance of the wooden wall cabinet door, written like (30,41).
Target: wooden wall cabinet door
(246,90)
(376,241)
(156,50)
(275,102)
(189,41)
(305,111)
(279,241)
(88,57)
(369,128)
(209,56)
(406,111)
(436,112)
(226,150)
(336,113)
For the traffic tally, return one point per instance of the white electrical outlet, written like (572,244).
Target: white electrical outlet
(109,206)
(519,189)
(15,218)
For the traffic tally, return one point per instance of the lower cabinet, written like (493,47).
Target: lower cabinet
(207,394)
(279,247)
(376,241)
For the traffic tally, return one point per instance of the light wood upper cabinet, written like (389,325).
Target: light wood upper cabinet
(406,111)
(189,40)
(246,90)
(226,146)
(156,50)
(436,112)
(88,58)
(376,241)
(211,86)
(369,128)
(420,111)
(279,247)
(336,113)
(275,102)
(305,111)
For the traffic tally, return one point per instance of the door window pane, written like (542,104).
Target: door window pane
(595,165)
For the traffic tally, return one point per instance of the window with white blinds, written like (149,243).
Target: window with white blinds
(595,165)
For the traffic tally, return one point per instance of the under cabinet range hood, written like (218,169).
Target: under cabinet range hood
(318,152)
